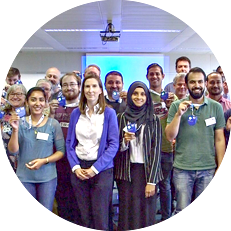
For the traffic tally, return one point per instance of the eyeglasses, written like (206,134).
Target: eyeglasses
(16,94)
(72,85)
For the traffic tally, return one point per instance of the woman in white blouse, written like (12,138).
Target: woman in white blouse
(92,143)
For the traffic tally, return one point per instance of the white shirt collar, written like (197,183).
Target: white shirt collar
(96,108)
(154,92)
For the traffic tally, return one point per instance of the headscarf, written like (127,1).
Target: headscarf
(139,115)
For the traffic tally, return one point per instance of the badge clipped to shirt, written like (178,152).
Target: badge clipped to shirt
(20,111)
(210,121)
(42,136)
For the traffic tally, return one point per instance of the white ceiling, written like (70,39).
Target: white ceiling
(125,15)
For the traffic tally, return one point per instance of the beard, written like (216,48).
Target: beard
(216,92)
(69,96)
(196,95)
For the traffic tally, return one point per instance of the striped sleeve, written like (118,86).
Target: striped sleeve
(154,166)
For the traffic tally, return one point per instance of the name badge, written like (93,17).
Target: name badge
(42,136)
(210,121)
(64,124)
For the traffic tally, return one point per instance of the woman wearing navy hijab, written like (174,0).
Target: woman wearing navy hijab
(137,164)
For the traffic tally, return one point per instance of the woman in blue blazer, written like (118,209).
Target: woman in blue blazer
(92,143)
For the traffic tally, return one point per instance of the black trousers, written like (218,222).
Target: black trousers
(94,197)
(135,211)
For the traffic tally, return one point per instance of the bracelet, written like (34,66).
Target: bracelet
(47,160)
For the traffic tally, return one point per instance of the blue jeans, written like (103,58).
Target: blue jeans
(165,186)
(44,193)
(187,181)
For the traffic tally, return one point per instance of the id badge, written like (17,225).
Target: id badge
(210,121)
(42,136)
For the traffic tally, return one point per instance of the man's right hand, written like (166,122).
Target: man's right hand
(183,107)
(54,104)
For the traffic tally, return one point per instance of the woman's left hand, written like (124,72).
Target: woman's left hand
(149,190)
(35,164)
(89,172)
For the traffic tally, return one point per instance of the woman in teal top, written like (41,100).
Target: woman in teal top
(33,138)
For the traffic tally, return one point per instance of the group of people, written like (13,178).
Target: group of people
(73,148)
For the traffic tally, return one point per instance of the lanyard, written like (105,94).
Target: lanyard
(39,122)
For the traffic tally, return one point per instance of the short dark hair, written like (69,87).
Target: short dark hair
(83,99)
(35,89)
(14,71)
(113,73)
(195,70)
(78,79)
(155,65)
(183,58)
(214,72)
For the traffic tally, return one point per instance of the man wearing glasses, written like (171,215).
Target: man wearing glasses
(67,206)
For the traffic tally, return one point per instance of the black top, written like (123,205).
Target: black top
(118,107)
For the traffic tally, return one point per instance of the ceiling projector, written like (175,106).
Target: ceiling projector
(110,34)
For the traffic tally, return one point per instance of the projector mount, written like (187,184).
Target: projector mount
(110,34)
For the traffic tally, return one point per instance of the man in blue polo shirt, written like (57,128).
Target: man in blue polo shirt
(197,123)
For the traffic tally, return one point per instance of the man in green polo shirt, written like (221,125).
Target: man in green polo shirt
(197,123)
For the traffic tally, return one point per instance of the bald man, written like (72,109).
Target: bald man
(53,75)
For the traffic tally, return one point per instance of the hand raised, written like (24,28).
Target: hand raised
(14,121)
(183,107)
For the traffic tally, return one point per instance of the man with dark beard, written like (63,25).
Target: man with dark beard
(197,123)
(115,96)
(67,205)
(214,84)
